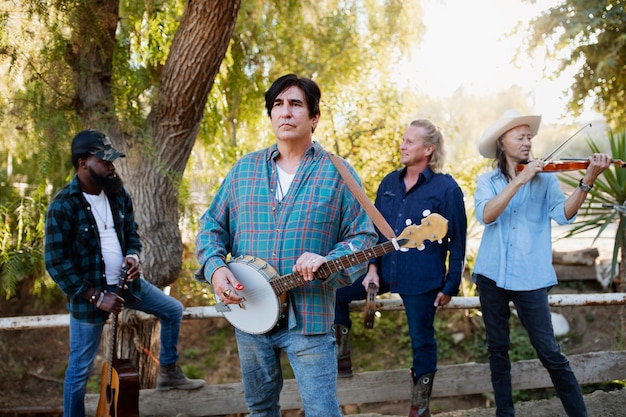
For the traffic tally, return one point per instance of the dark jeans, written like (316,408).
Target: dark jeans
(420,316)
(533,311)
(352,292)
(420,313)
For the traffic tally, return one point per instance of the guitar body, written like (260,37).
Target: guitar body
(119,389)
(120,397)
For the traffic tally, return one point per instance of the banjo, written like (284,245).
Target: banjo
(260,308)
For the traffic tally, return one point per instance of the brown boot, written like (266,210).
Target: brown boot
(422,387)
(172,377)
(344,363)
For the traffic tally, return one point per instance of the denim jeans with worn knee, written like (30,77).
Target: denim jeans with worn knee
(533,311)
(314,363)
(85,340)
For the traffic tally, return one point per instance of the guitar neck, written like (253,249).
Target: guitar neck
(114,321)
(112,347)
(287,282)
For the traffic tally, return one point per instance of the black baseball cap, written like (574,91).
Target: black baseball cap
(95,143)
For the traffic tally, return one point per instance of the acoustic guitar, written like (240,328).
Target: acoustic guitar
(261,306)
(119,389)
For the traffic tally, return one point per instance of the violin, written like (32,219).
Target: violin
(569,165)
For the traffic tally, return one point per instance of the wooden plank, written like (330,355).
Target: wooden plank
(576,257)
(576,272)
(380,386)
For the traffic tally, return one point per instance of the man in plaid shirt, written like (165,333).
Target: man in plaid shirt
(288,205)
(90,234)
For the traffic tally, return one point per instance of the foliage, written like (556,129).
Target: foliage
(33,140)
(43,107)
(348,47)
(597,212)
(20,243)
(589,36)
(104,65)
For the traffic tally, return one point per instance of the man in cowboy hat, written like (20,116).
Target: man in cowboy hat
(514,261)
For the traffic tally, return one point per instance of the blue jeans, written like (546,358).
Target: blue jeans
(314,363)
(85,340)
(420,314)
(533,311)
(352,292)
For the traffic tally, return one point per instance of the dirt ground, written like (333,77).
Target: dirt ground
(33,362)
(599,404)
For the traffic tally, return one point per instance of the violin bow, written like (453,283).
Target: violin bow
(561,146)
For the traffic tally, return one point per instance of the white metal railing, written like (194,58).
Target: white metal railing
(382,304)
(366,387)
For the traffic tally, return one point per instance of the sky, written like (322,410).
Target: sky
(466,44)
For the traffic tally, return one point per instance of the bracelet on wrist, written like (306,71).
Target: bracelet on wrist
(586,188)
(100,300)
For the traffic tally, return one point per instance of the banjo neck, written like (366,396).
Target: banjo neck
(264,289)
(287,282)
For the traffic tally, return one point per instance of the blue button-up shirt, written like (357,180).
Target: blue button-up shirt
(516,248)
(421,271)
(319,214)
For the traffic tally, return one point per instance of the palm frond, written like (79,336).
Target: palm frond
(608,190)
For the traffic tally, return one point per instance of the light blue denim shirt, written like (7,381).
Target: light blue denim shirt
(516,248)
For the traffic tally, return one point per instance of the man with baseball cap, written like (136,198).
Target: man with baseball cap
(90,236)
(95,143)
(514,261)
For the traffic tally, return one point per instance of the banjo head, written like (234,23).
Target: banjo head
(261,308)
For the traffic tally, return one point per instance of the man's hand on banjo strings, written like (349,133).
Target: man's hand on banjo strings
(225,286)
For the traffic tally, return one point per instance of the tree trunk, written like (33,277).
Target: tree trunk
(137,341)
(157,157)
(156,163)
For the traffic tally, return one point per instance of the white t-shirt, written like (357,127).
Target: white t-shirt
(284,182)
(109,243)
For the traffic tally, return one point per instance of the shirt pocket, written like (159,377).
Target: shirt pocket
(536,209)
(324,205)
(84,241)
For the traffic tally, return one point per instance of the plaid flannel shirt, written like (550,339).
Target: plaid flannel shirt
(72,251)
(318,214)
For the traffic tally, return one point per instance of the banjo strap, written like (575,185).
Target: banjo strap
(360,195)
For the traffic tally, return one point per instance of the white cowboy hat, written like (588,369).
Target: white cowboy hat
(509,120)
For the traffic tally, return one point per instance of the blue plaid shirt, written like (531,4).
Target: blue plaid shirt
(72,251)
(318,214)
